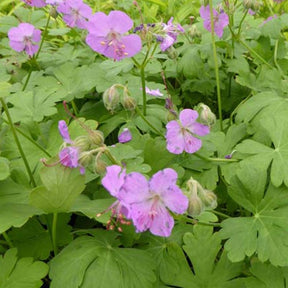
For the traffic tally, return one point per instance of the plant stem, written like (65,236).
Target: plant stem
(75,109)
(6,237)
(54,233)
(215,159)
(148,122)
(216,66)
(17,141)
(30,139)
(142,74)
(37,54)
(220,214)
(241,22)
(111,157)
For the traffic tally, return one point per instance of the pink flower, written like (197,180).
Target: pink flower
(75,13)
(35,3)
(169,34)
(148,201)
(221,20)
(69,156)
(113,182)
(125,136)
(54,2)
(24,38)
(106,35)
(156,92)
(180,135)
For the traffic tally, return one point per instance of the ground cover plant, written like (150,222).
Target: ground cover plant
(143,144)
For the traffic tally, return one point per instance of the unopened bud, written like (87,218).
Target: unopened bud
(53,12)
(252,4)
(129,103)
(100,166)
(85,158)
(172,52)
(96,137)
(82,142)
(193,32)
(206,116)
(111,99)
(209,199)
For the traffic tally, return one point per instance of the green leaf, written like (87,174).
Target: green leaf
(14,205)
(4,168)
(29,106)
(209,272)
(275,128)
(23,273)
(89,259)
(61,187)
(266,275)
(266,231)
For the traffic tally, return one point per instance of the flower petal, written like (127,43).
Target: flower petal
(63,129)
(132,44)
(192,144)
(114,179)
(188,117)
(135,188)
(98,24)
(174,137)
(199,129)
(119,21)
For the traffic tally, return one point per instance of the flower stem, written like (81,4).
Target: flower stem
(142,74)
(54,233)
(7,239)
(30,139)
(215,159)
(17,141)
(216,66)
(148,122)
(111,157)
(220,214)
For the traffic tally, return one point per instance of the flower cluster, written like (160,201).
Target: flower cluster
(180,135)
(146,202)
(220,20)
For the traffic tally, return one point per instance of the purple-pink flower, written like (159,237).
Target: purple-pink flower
(170,33)
(181,134)
(69,156)
(152,92)
(75,13)
(54,2)
(35,3)
(146,202)
(24,38)
(149,201)
(106,35)
(221,20)
(125,136)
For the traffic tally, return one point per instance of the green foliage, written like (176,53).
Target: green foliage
(263,230)
(21,273)
(61,187)
(98,258)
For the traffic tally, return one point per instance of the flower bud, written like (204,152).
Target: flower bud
(206,116)
(195,206)
(172,52)
(129,103)
(85,158)
(209,199)
(111,99)
(96,137)
(252,4)
(100,166)
(53,12)
(82,142)
(193,32)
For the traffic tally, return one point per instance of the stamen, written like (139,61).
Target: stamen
(103,43)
